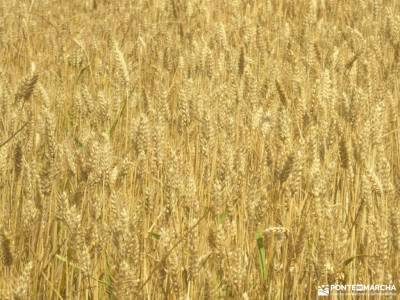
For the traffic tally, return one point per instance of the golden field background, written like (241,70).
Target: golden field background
(198,149)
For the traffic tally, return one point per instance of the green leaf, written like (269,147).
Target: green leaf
(118,117)
(261,254)
(154,235)
(78,143)
(108,279)
(221,217)
(349,260)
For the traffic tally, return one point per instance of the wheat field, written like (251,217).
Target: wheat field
(171,149)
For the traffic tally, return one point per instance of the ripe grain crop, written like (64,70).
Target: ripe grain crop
(197,149)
